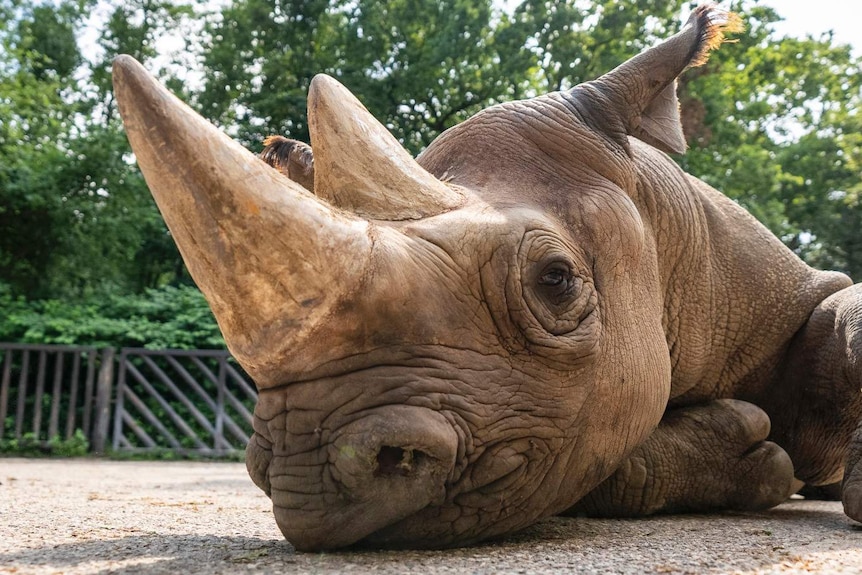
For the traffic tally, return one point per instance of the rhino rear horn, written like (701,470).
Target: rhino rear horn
(361,167)
(638,97)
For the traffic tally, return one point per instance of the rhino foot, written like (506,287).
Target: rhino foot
(851,487)
(828,492)
(852,499)
(702,458)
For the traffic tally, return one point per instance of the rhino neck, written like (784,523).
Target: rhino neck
(734,295)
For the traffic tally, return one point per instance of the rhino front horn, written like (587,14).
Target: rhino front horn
(361,167)
(270,257)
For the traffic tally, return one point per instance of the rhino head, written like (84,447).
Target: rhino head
(446,349)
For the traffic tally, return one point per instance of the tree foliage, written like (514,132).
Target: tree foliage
(168,317)
(772,122)
(420,67)
(75,215)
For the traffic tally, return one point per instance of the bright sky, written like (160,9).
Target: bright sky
(843,17)
(802,17)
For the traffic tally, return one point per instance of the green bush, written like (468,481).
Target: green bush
(29,445)
(164,318)
(75,446)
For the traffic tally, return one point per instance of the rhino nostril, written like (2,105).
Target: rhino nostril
(397,461)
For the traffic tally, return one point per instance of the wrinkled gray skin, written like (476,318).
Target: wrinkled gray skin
(544,314)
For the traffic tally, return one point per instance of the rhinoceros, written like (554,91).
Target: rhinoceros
(541,314)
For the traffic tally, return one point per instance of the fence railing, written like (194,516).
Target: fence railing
(193,400)
(187,401)
(52,391)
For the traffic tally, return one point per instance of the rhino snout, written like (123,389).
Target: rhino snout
(398,461)
(389,464)
(394,442)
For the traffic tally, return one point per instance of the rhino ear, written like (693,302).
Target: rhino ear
(292,158)
(660,122)
(638,98)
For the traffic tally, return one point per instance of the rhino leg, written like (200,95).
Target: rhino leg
(816,410)
(851,487)
(708,457)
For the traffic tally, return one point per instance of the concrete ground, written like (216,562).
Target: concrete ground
(95,516)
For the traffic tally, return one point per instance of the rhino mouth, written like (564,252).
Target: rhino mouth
(458,521)
(398,476)
(331,490)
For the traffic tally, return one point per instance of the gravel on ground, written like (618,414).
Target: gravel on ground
(97,516)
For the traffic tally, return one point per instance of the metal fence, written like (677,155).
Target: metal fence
(186,401)
(52,391)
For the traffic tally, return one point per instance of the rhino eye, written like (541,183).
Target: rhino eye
(553,277)
(559,283)
(555,286)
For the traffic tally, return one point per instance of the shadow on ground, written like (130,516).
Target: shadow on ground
(799,533)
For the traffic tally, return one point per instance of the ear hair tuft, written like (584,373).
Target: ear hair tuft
(712,24)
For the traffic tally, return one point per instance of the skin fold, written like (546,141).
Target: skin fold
(541,314)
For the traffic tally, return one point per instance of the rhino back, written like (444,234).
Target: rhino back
(734,294)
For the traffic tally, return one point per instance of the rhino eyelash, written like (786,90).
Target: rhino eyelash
(554,277)
(558,282)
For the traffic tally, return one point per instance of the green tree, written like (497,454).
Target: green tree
(77,219)
(423,67)
(38,55)
(571,42)
(259,60)
(420,67)
(129,223)
(771,122)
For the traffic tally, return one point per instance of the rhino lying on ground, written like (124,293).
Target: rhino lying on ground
(542,314)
